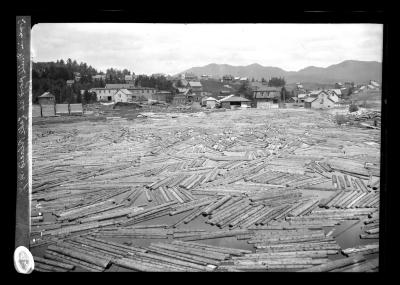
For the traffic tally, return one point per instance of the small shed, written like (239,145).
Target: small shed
(229,102)
(211,102)
(47,99)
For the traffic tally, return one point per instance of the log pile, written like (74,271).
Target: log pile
(244,177)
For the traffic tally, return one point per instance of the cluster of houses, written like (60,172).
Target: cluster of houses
(370,86)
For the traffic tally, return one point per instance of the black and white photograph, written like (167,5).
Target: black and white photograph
(203,147)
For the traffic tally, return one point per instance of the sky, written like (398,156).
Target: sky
(173,48)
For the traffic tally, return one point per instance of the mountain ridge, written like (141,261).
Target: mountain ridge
(348,70)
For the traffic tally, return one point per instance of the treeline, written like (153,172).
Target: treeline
(159,82)
(52,77)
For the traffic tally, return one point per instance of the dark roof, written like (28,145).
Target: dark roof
(269,95)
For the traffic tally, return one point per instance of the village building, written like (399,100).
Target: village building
(205,77)
(161,96)
(77,76)
(194,97)
(210,102)
(196,87)
(99,77)
(322,101)
(301,97)
(123,95)
(138,93)
(70,82)
(179,99)
(334,95)
(267,97)
(130,79)
(234,102)
(104,94)
(46,99)
(142,93)
(227,78)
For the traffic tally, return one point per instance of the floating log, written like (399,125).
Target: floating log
(329,266)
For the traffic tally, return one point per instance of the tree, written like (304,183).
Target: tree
(245,90)
(252,79)
(276,82)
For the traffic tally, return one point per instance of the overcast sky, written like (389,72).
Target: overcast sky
(173,48)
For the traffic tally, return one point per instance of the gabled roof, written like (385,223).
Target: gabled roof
(125,91)
(234,99)
(310,99)
(46,95)
(315,92)
(337,91)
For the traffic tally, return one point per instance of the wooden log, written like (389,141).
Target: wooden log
(202,255)
(325,201)
(213,235)
(53,263)
(190,215)
(363,267)
(176,195)
(80,255)
(333,201)
(215,205)
(356,200)
(240,218)
(329,266)
(194,215)
(227,219)
(350,199)
(73,261)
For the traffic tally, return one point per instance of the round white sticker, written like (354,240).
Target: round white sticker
(23,260)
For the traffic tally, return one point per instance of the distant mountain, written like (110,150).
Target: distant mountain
(349,70)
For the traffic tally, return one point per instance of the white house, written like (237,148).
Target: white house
(123,95)
(210,102)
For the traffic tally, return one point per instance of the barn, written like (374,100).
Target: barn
(267,97)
